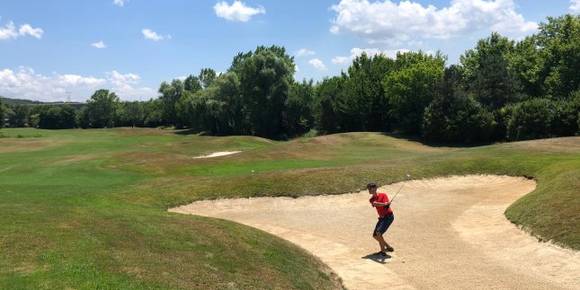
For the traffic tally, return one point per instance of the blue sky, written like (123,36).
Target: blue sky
(59,49)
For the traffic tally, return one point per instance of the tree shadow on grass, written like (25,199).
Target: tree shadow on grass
(377,258)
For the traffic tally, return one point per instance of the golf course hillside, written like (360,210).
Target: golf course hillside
(88,209)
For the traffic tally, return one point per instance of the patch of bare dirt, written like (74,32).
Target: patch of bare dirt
(217,154)
(9,145)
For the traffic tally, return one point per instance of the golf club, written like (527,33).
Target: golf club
(398,191)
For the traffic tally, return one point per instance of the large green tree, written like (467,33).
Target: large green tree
(325,110)
(265,79)
(559,42)
(364,103)
(171,93)
(299,108)
(411,87)
(453,116)
(101,110)
(487,73)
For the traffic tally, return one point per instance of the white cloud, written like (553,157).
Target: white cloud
(120,3)
(99,44)
(305,52)
(340,60)
(125,85)
(237,11)
(78,80)
(27,84)
(400,22)
(317,64)
(575,6)
(152,35)
(355,52)
(9,31)
(26,29)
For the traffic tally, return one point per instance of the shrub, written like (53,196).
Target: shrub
(532,119)
(457,119)
(566,117)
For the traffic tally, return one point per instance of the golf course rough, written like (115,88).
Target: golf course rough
(87,209)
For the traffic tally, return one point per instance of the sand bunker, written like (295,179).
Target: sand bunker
(217,154)
(448,233)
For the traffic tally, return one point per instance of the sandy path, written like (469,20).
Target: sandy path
(449,233)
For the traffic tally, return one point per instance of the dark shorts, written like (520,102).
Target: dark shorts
(383,225)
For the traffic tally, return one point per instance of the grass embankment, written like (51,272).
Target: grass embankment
(87,209)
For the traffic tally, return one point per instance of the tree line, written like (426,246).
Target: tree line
(500,89)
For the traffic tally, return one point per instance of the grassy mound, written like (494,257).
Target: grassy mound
(87,208)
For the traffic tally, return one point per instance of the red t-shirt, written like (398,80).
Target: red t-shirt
(381,210)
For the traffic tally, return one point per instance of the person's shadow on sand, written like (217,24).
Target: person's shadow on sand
(377,258)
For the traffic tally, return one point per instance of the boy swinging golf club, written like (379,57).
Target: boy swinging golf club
(380,201)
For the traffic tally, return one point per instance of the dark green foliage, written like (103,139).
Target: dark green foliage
(101,110)
(411,88)
(454,117)
(566,118)
(457,119)
(326,113)
(265,79)
(170,95)
(19,116)
(478,100)
(207,76)
(487,75)
(2,114)
(299,107)
(526,63)
(532,119)
(131,114)
(559,43)
(363,105)
(57,117)
(153,113)
(192,84)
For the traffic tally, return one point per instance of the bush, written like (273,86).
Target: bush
(457,119)
(57,118)
(566,117)
(532,119)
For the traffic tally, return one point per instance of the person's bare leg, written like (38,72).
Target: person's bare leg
(384,244)
(381,241)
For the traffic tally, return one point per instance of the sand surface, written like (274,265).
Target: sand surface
(449,233)
(217,154)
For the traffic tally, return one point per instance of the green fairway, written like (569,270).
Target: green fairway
(87,209)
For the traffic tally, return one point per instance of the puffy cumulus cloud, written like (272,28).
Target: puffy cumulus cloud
(406,21)
(27,84)
(120,3)
(154,36)
(355,52)
(237,11)
(317,64)
(575,6)
(10,31)
(305,52)
(340,59)
(127,85)
(99,44)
